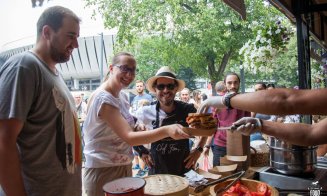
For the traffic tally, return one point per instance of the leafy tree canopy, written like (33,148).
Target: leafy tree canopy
(204,35)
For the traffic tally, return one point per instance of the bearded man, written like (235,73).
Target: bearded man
(167,156)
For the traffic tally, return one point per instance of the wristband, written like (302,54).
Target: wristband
(226,99)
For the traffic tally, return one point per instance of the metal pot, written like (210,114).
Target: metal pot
(291,159)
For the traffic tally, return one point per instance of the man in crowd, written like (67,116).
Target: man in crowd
(137,102)
(280,101)
(221,89)
(225,118)
(167,156)
(140,95)
(40,149)
(80,106)
(186,96)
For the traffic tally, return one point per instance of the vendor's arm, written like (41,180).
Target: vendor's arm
(277,101)
(115,120)
(195,154)
(10,169)
(295,133)
(283,101)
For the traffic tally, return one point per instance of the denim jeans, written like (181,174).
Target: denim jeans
(218,151)
(256,136)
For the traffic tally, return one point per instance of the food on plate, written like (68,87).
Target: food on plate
(241,190)
(201,121)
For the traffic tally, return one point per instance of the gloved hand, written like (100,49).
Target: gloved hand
(216,101)
(248,125)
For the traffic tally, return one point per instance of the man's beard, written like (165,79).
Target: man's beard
(57,56)
(140,92)
(233,90)
(168,103)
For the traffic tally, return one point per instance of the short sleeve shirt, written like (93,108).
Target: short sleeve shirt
(103,147)
(32,93)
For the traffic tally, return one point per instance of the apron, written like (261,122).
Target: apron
(169,154)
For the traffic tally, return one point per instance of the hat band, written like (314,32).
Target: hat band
(167,74)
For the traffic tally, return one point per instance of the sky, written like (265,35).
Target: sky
(18,20)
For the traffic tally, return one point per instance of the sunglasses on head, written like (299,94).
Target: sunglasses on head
(163,86)
(125,69)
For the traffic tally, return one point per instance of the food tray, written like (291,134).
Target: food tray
(165,184)
(199,132)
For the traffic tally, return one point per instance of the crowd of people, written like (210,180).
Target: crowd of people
(40,130)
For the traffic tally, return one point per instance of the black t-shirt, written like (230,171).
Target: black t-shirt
(169,154)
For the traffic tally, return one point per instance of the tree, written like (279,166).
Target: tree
(209,31)
(186,74)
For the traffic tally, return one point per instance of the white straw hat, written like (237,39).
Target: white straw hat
(164,72)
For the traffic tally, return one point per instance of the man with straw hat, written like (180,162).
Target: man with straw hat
(167,156)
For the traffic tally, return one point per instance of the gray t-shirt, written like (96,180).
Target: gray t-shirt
(32,93)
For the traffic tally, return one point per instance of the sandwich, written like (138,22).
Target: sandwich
(201,121)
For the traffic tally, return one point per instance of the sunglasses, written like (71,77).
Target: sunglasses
(125,69)
(163,86)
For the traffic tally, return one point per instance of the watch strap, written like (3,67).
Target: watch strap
(227,98)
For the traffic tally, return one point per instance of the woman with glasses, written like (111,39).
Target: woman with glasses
(109,126)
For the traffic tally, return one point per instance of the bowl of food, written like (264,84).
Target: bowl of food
(244,187)
(128,186)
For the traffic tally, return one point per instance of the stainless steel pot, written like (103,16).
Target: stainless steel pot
(291,159)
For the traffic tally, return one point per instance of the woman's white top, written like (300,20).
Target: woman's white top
(103,147)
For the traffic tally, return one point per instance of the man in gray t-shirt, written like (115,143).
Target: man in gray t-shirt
(40,149)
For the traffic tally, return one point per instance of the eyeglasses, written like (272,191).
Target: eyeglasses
(125,69)
(163,86)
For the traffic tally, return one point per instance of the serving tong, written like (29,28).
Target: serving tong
(232,128)
(238,175)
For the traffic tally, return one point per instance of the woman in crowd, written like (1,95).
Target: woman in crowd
(197,98)
(109,128)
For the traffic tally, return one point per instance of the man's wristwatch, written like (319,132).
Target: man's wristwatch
(199,148)
(226,99)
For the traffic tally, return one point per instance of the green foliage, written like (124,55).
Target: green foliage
(156,51)
(204,35)
(186,74)
(272,36)
(285,72)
